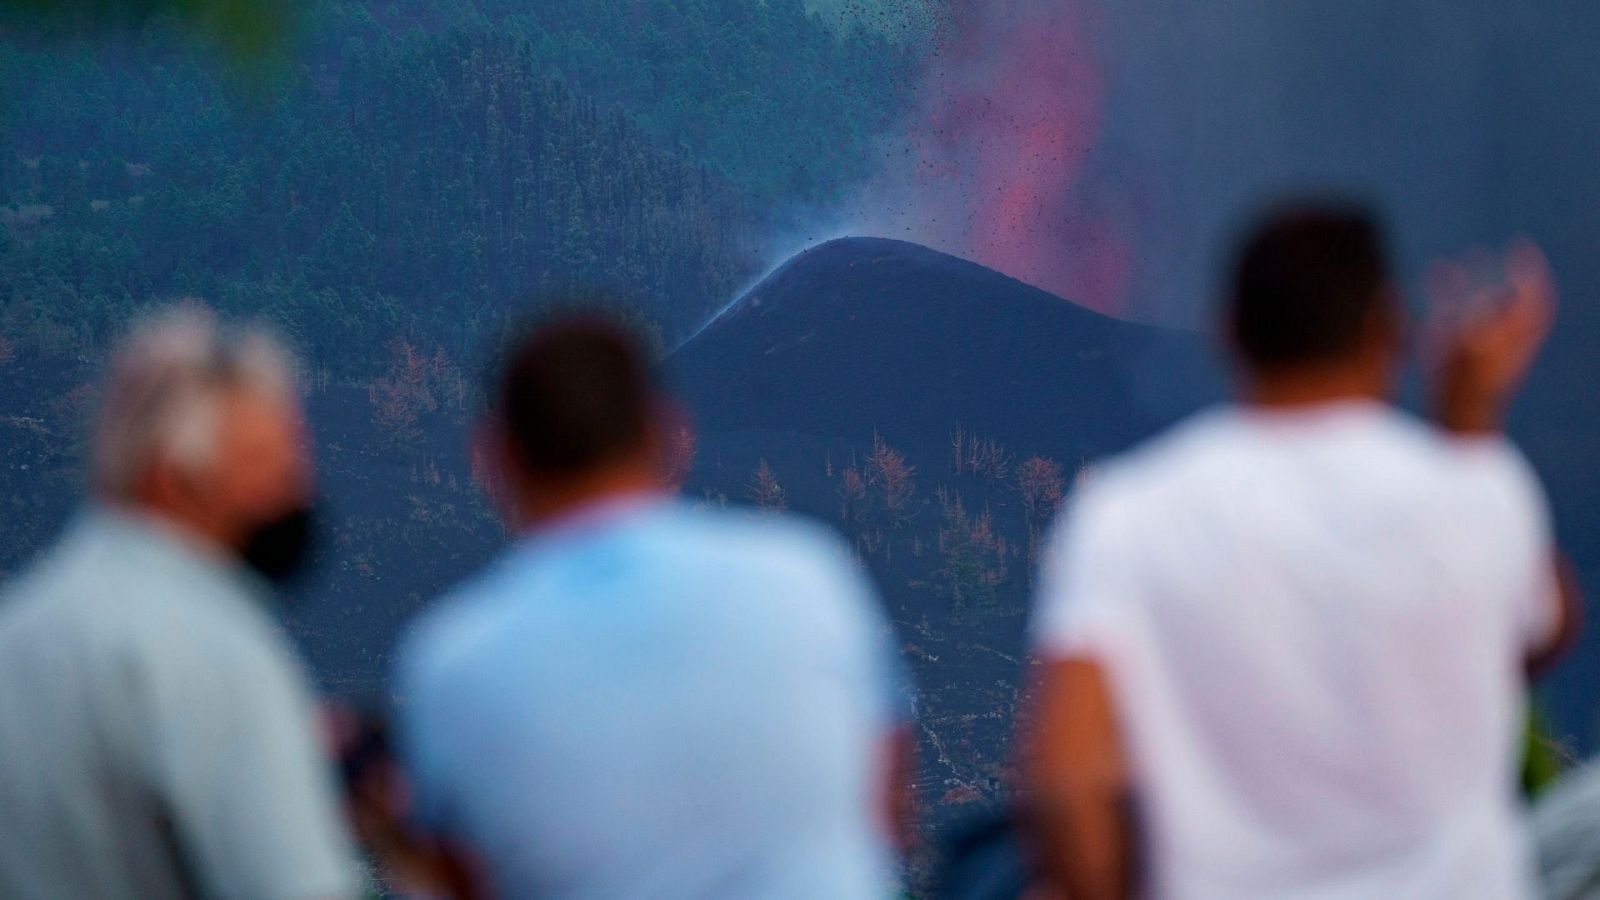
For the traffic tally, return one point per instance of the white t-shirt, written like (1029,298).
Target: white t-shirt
(1314,624)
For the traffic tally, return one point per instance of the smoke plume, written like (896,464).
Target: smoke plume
(995,162)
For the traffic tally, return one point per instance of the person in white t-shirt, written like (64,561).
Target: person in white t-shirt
(1283,649)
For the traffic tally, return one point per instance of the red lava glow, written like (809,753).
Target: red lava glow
(1011,111)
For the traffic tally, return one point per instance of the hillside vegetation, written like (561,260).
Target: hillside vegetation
(423,169)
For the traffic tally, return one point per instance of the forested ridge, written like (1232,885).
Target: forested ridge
(425,170)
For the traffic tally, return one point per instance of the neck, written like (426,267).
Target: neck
(1314,386)
(196,530)
(551,501)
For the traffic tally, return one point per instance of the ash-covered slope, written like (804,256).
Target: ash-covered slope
(864,334)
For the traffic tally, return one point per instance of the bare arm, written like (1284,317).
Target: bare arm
(899,801)
(1543,658)
(1486,355)
(408,862)
(1481,365)
(1082,817)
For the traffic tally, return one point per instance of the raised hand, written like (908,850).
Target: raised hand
(1490,337)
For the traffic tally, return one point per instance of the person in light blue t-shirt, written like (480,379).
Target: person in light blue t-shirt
(640,699)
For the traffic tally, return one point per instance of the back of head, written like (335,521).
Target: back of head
(1307,286)
(575,395)
(164,395)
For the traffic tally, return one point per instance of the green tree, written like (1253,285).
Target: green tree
(249,28)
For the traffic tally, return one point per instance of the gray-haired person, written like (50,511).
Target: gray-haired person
(156,730)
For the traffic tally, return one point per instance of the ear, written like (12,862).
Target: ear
(494,466)
(671,442)
(668,417)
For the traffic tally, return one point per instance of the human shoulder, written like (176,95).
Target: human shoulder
(138,601)
(448,632)
(745,541)
(72,570)
(1497,480)
(799,572)
(1117,503)
(39,622)
(221,647)
(32,593)
(1488,468)
(1171,459)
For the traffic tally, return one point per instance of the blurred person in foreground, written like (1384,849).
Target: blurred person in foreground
(639,699)
(1284,648)
(156,730)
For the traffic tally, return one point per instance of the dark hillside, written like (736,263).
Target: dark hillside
(936,413)
(863,333)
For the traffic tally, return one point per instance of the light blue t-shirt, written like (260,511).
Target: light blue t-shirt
(651,701)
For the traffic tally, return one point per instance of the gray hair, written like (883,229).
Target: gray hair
(163,397)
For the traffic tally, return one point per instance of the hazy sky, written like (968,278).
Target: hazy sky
(1108,150)
(1430,109)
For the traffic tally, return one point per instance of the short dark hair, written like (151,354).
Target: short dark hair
(1306,283)
(575,393)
